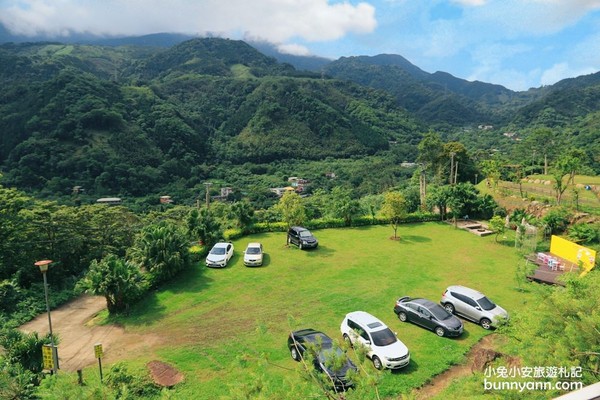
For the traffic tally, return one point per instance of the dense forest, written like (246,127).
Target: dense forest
(138,121)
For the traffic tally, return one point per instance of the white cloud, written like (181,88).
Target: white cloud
(562,71)
(274,20)
(293,49)
(470,2)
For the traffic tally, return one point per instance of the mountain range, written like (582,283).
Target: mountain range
(130,116)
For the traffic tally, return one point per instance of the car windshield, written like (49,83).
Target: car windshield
(305,234)
(384,337)
(329,354)
(439,312)
(219,251)
(486,303)
(253,250)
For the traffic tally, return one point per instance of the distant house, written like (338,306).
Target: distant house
(298,183)
(330,175)
(224,193)
(109,200)
(512,135)
(279,191)
(408,164)
(166,200)
(485,127)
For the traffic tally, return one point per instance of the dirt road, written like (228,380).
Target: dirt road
(77,337)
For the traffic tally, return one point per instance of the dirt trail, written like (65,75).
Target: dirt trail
(482,353)
(77,339)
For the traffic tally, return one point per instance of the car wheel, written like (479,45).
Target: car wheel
(486,323)
(347,340)
(440,331)
(377,363)
(402,316)
(294,353)
(449,307)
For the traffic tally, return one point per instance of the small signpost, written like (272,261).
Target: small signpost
(98,353)
(47,358)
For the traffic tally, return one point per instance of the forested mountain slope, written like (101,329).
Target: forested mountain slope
(129,120)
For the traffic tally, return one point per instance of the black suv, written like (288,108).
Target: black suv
(301,237)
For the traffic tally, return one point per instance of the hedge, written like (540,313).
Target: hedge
(323,223)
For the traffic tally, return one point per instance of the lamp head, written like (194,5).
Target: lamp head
(43,265)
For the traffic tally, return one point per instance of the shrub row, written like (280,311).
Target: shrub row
(323,223)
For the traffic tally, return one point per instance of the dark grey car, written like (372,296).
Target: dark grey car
(429,315)
(301,237)
(327,358)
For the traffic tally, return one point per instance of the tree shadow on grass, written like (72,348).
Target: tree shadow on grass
(321,251)
(413,239)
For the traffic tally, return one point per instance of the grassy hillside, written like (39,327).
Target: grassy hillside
(226,329)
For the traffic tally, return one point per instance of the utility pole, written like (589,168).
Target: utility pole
(452,154)
(422,188)
(207,184)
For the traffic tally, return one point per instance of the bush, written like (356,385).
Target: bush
(557,220)
(16,383)
(123,383)
(584,233)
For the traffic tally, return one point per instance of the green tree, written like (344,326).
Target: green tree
(203,225)
(497,224)
(242,213)
(291,208)
(342,205)
(161,249)
(16,383)
(119,281)
(542,142)
(567,164)
(565,329)
(437,197)
(491,169)
(394,209)
(431,154)
(371,204)
(24,349)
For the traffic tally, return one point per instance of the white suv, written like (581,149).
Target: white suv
(383,347)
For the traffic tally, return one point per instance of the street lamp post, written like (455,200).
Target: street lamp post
(43,265)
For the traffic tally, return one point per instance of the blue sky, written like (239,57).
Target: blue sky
(515,43)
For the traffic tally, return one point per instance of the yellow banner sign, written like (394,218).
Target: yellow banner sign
(577,254)
(98,350)
(47,358)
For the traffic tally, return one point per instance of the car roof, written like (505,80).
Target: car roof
(221,244)
(472,293)
(311,335)
(254,244)
(367,320)
(298,228)
(424,302)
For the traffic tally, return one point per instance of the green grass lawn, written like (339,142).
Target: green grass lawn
(226,329)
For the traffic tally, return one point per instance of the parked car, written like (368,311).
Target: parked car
(219,255)
(253,255)
(301,237)
(429,315)
(325,354)
(383,347)
(473,305)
